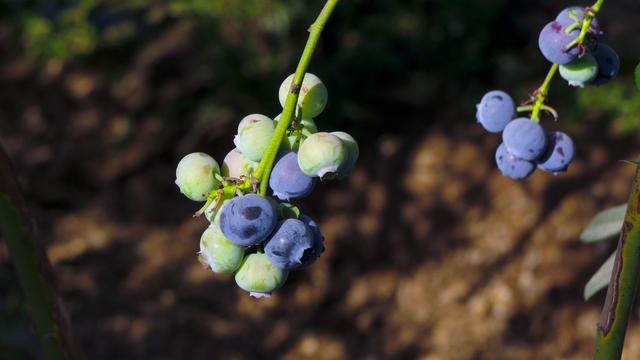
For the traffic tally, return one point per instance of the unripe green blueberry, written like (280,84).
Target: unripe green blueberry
(213,213)
(352,152)
(259,276)
(254,135)
(312,98)
(220,254)
(580,71)
(235,164)
(321,154)
(290,142)
(195,175)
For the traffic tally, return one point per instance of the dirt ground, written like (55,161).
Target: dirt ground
(431,254)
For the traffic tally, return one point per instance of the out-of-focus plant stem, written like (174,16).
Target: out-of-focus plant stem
(34,271)
(621,293)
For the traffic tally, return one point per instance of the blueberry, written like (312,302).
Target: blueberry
(553,43)
(291,244)
(312,98)
(580,71)
(195,175)
(352,153)
(608,64)
(495,111)
(318,241)
(259,276)
(254,135)
(576,14)
(512,166)
(221,255)
(235,164)
(322,154)
(247,220)
(559,153)
(525,139)
(287,180)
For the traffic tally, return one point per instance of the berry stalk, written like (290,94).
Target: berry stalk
(621,293)
(541,93)
(586,25)
(315,30)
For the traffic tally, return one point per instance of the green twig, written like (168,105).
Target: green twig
(590,14)
(34,271)
(612,326)
(266,164)
(541,93)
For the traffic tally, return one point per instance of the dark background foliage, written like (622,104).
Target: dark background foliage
(430,254)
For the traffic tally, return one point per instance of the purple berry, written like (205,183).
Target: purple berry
(553,43)
(247,220)
(495,110)
(318,241)
(287,179)
(512,166)
(292,243)
(576,14)
(525,139)
(608,64)
(559,153)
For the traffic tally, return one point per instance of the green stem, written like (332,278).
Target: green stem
(541,93)
(266,164)
(34,271)
(617,308)
(586,24)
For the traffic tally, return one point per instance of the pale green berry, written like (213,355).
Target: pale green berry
(212,213)
(259,276)
(312,98)
(352,152)
(254,135)
(580,71)
(195,175)
(291,142)
(321,154)
(220,254)
(235,164)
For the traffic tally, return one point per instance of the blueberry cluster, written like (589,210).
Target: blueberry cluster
(579,60)
(525,144)
(588,63)
(262,238)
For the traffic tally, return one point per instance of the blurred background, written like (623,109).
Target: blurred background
(431,253)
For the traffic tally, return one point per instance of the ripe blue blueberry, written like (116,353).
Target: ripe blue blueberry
(195,175)
(559,153)
(512,166)
(290,245)
(575,15)
(221,255)
(580,71)
(495,111)
(525,139)
(247,220)
(608,64)
(259,276)
(287,180)
(318,241)
(553,43)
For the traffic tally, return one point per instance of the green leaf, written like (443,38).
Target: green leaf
(604,225)
(636,163)
(637,76)
(600,279)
